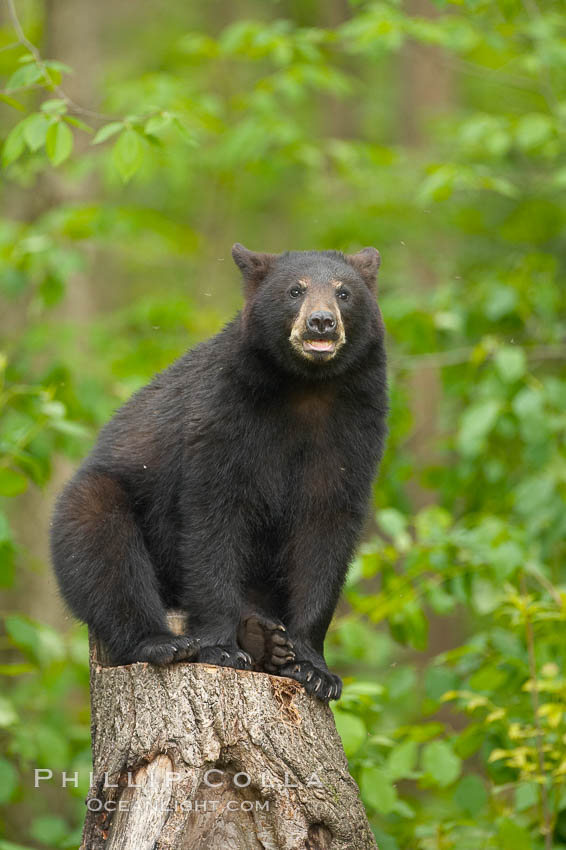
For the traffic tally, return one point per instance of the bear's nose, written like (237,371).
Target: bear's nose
(321,321)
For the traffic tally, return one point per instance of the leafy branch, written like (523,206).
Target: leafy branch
(43,68)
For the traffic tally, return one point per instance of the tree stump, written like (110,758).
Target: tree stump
(195,757)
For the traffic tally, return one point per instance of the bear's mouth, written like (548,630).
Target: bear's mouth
(325,346)
(316,346)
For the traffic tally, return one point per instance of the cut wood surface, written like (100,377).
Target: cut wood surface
(196,756)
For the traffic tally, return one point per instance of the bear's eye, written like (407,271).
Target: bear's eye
(343,294)
(295,291)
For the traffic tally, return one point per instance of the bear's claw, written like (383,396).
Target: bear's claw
(225,656)
(320,683)
(165,649)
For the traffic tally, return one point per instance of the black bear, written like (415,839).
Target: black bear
(235,485)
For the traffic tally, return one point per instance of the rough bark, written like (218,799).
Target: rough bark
(279,776)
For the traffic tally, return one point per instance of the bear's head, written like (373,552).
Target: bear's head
(314,312)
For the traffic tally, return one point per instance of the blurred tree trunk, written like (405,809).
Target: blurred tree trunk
(71,36)
(427,90)
(340,118)
(427,81)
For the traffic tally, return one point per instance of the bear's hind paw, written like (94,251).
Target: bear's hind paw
(267,641)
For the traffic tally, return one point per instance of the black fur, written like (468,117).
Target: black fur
(236,483)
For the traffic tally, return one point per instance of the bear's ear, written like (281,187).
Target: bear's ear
(367,263)
(254,266)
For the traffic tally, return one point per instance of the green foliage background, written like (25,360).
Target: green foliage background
(298,125)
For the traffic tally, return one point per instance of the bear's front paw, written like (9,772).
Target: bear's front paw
(165,649)
(320,683)
(225,656)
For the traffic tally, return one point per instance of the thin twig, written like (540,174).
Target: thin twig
(24,41)
(497,75)
(545,583)
(10,46)
(546,815)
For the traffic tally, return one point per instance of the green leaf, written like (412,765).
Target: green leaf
(432,524)
(410,625)
(402,681)
(27,75)
(7,564)
(59,143)
(475,424)
(127,154)
(53,747)
(54,409)
(512,836)
(441,763)
(527,795)
(14,144)
(76,122)
(470,740)
(377,790)
(41,643)
(35,130)
(361,688)
(23,633)
(15,669)
(501,301)
(402,760)
(394,524)
(8,714)
(12,483)
(55,106)
(470,794)
(533,130)
(5,530)
(507,558)
(352,731)
(49,829)
(107,132)
(438,681)
(385,840)
(439,599)
(510,362)
(8,780)
(488,679)
(404,809)
(417,626)
(185,133)
(72,429)
(56,65)
(11,101)
(528,404)
(485,596)
(439,185)
(52,289)
(157,123)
